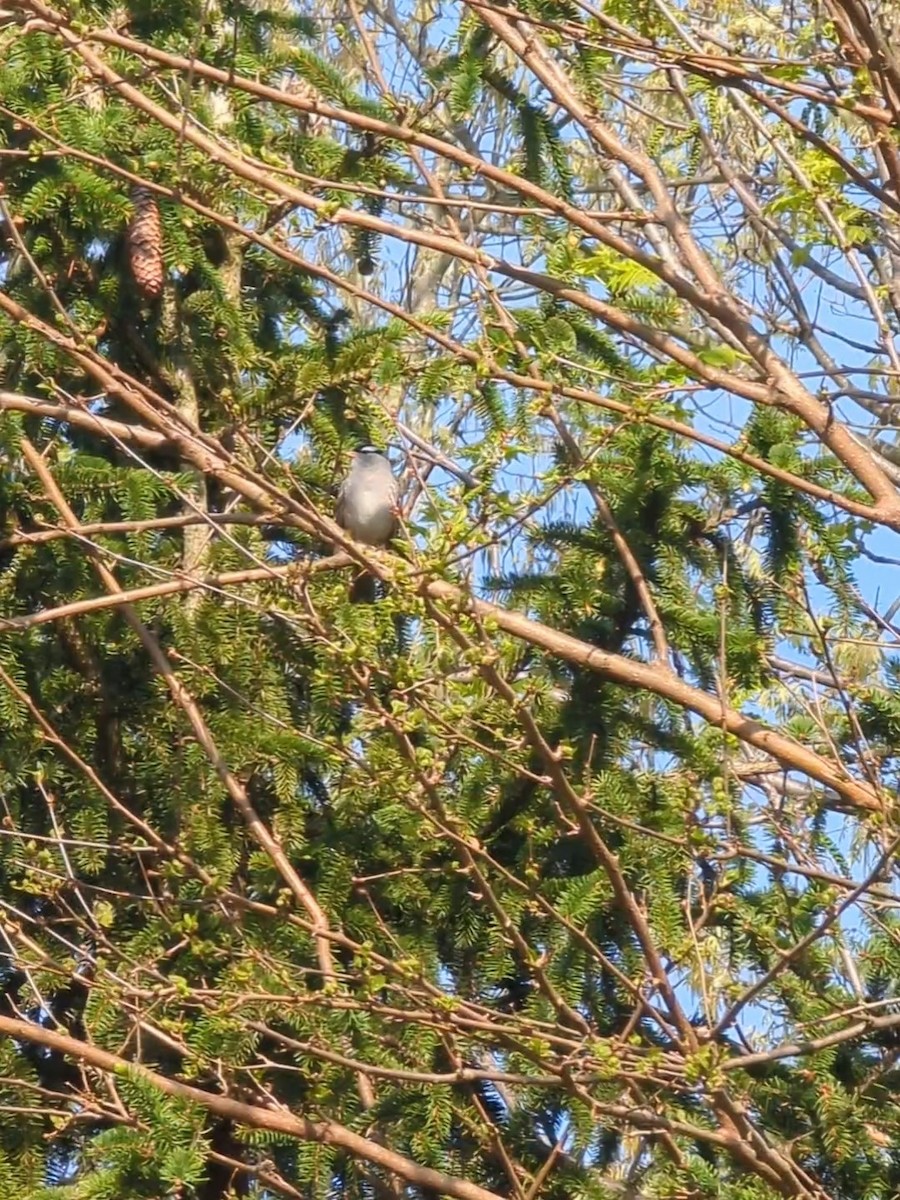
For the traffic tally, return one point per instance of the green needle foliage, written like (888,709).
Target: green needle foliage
(566,869)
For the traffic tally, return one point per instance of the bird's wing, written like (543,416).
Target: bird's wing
(395,500)
(339,505)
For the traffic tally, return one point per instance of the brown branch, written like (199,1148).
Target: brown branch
(36,537)
(814,1045)
(473,357)
(327,1133)
(83,418)
(710,298)
(618,669)
(832,914)
(186,702)
(177,584)
(574,805)
(638,676)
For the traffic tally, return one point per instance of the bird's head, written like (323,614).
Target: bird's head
(368,456)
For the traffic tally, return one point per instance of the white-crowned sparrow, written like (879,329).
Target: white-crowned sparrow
(367,509)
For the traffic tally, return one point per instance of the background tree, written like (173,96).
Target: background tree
(567,868)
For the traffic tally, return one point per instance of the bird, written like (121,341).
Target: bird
(367,509)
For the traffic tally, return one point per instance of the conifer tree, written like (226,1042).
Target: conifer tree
(566,869)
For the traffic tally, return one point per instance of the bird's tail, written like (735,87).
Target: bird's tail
(363,589)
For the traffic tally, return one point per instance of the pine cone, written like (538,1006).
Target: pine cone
(145,242)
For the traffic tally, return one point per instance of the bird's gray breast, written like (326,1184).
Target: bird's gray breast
(367,505)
